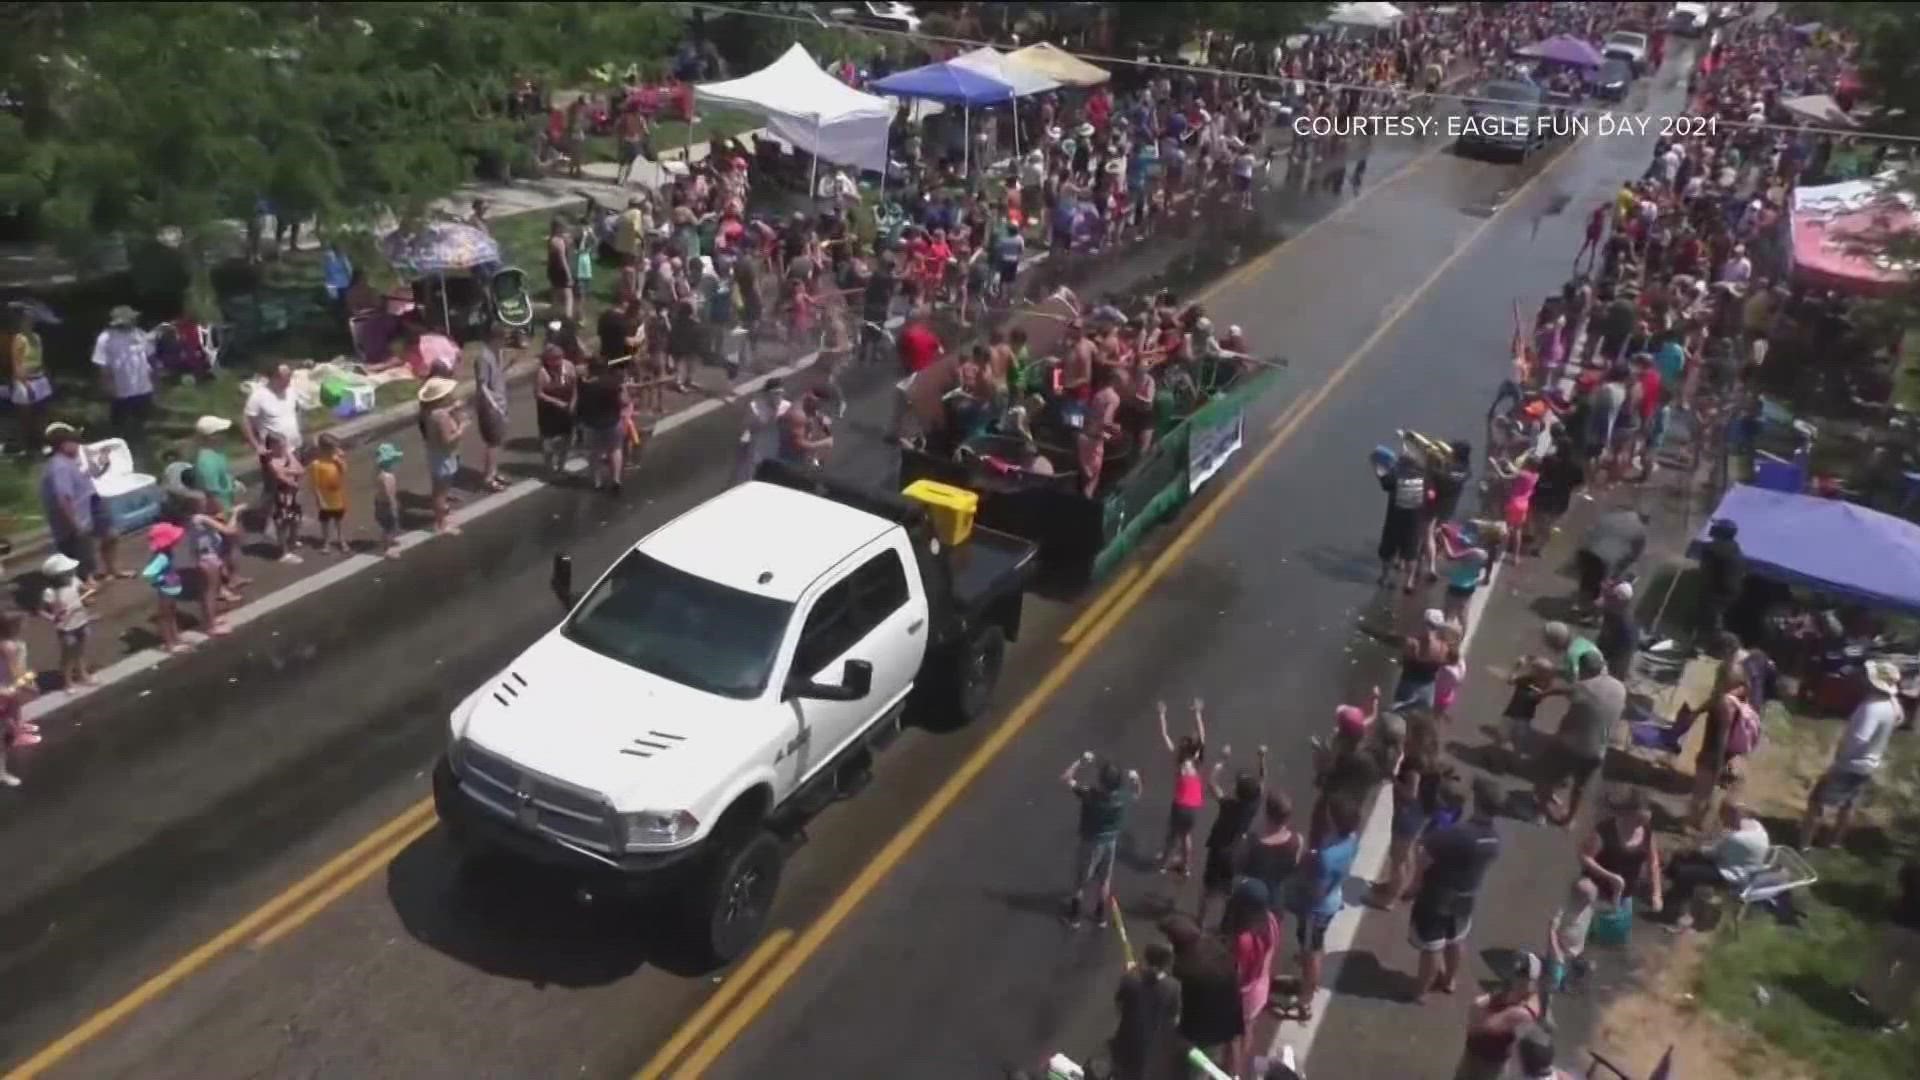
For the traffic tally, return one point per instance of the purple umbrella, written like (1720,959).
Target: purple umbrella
(1564,49)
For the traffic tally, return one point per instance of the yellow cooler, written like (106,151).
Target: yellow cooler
(951,509)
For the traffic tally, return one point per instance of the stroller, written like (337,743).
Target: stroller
(511,303)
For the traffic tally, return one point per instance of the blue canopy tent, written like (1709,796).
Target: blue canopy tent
(950,84)
(1827,544)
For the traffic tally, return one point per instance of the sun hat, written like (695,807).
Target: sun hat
(58,432)
(162,536)
(436,388)
(1084,130)
(122,315)
(387,453)
(211,425)
(1883,676)
(58,564)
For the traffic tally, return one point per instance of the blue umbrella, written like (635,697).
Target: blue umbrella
(440,247)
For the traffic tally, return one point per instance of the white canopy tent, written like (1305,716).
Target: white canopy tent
(810,109)
(1373,14)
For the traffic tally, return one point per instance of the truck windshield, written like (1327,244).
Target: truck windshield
(673,624)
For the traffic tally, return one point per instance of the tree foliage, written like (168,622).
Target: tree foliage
(129,120)
(1168,26)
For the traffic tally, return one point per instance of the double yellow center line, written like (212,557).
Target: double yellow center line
(271,921)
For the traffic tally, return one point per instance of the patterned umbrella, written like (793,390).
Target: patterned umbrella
(440,247)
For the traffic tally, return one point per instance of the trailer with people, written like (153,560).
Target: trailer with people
(1032,481)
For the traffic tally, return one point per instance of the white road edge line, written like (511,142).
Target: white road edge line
(1368,863)
(354,565)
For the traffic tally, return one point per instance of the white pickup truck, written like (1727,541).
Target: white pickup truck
(726,678)
(1628,45)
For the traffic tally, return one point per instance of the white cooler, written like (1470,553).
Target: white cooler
(132,498)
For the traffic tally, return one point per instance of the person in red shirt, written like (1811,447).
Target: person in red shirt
(1649,379)
(919,346)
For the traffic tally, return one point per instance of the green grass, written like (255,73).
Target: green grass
(1807,970)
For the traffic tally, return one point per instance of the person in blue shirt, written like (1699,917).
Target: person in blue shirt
(1319,896)
(336,272)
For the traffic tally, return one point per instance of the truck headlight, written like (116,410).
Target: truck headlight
(648,829)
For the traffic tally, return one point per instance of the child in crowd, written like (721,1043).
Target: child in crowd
(280,470)
(1531,679)
(65,605)
(1446,681)
(164,576)
(19,686)
(1567,934)
(386,498)
(1189,790)
(327,472)
(584,243)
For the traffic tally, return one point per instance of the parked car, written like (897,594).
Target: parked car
(1505,116)
(879,16)
(1628,45)
(1613,80)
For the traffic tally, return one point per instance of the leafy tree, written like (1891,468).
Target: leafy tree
(131,122)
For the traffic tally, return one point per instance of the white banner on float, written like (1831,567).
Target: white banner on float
(1209,446)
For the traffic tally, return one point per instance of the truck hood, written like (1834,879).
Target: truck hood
(643,742)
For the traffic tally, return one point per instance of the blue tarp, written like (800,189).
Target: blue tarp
(1831,545)
(949,83)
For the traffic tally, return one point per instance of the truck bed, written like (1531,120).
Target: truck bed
(989,566)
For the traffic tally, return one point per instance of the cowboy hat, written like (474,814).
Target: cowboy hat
(1085,130)
(1883,676)
(435,389)
(1054,133)
(58,564)
(211,425)
(122,315)
(163,536)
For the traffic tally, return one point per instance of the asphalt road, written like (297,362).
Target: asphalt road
(201,800)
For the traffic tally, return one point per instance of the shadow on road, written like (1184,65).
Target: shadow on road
(520,922)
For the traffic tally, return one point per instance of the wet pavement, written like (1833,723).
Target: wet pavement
(186,801)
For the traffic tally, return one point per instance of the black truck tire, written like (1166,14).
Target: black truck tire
(975,674)
(729,911)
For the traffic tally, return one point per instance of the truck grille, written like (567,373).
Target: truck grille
(560,810)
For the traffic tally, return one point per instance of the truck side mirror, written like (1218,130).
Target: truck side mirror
(856,679)
(562,583)
(856,682)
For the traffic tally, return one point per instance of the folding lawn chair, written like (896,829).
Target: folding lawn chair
(1785,871)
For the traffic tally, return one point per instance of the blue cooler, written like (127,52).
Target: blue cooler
(132,499)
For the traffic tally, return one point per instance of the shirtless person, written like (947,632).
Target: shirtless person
(1100,427)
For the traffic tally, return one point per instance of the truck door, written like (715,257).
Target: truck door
(876,614)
